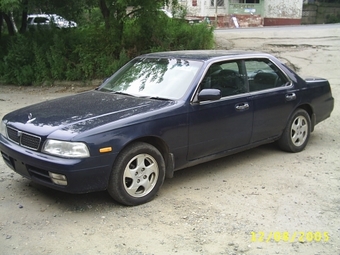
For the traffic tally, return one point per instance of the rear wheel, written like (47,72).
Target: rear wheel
(296,134)
(137,174)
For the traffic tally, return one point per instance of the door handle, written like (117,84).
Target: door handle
(290,97)
(242,106)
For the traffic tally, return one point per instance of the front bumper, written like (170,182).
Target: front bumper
(83,175)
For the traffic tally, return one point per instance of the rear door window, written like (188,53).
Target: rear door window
(263,74)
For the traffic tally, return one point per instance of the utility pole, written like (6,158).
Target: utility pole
(215,3)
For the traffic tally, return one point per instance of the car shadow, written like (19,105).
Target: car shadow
(73,202)
(93,201)
(190,174)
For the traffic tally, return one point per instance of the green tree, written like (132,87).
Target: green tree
(109,34)
(6,7)
(115,13)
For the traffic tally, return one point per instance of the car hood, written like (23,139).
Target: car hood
(82,112)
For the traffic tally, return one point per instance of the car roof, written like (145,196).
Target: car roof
(204,54)
(42,15)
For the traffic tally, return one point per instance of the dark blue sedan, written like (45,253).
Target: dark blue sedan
(159,113)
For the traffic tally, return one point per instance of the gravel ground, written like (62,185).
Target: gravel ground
(262,201)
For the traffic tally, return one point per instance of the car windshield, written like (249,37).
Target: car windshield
(163,78)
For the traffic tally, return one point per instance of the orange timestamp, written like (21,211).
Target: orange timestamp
(297,236)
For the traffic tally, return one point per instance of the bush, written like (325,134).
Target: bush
(17,63)
(333,19)
(164,34)
(90,52)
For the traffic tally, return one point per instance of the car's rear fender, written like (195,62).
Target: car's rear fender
(320,99)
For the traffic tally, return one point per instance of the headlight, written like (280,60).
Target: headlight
(66,149)
(3,130)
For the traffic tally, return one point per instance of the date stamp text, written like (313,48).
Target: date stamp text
(297,236)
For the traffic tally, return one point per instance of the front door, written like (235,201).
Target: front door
(225,124)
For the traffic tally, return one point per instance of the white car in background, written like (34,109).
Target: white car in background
(48,20)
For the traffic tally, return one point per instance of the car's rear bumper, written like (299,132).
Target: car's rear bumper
(82,175)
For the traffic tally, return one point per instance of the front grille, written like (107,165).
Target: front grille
(13,135)
(24,139)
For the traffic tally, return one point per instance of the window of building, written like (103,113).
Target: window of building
(218,2)
(245,1)
(194,2)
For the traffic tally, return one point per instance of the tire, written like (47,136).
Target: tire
(137,174)
(296,134)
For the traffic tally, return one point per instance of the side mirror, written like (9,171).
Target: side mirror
(209,95)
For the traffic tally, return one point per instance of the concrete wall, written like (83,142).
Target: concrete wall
(282,12)
(309,14)
(319,13)
(283,9)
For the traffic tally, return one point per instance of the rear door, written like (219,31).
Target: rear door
(273,96)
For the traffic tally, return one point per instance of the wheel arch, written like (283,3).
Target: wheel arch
(308,108)
(163,148)
(296,134)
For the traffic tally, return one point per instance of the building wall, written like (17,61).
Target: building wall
(203,8)
(272,12)
(291,9)
(283,12)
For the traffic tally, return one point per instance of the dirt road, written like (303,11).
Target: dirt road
(262,201)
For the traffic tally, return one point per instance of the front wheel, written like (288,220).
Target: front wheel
(137,174)
(296,134)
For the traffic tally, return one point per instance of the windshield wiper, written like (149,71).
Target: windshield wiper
(122,93)
(157,98)
(148,97)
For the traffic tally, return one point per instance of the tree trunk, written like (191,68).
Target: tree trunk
(1,22)
(23,26)
(9,23)
(120,13)
(105,12)
(13,22)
